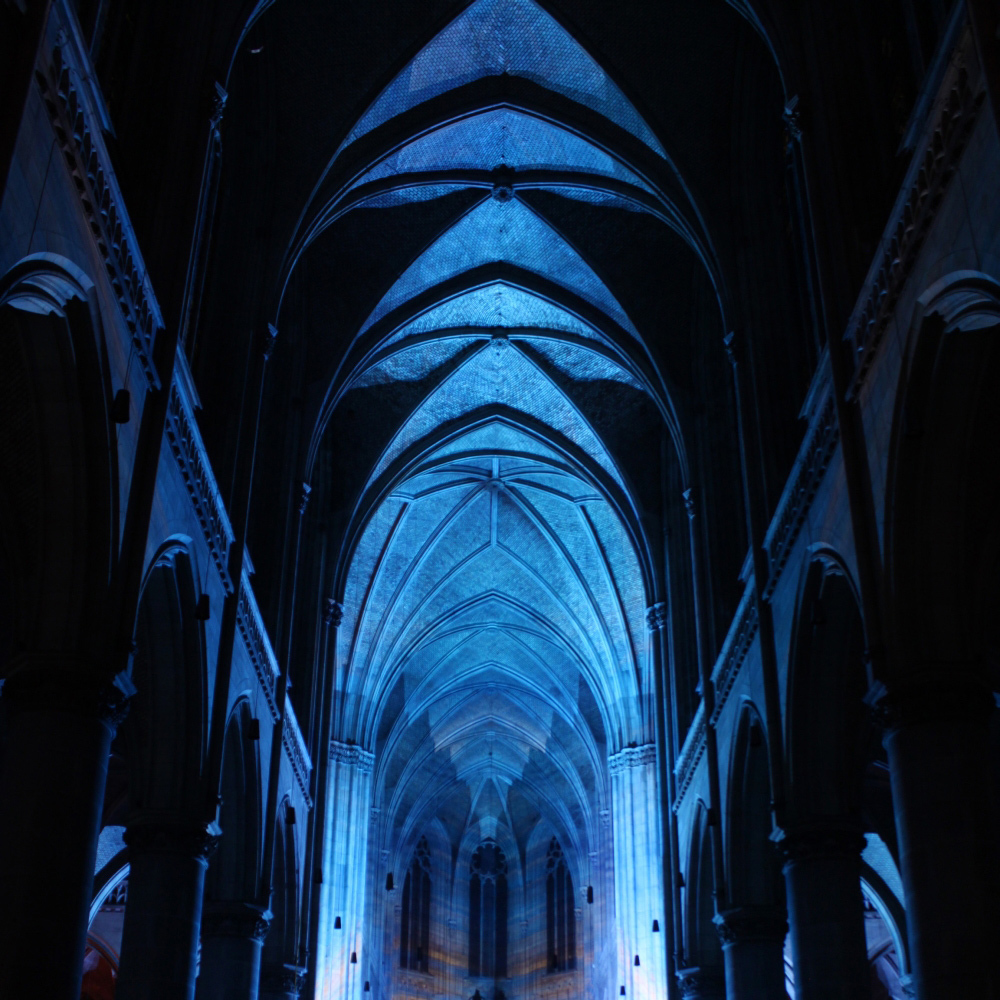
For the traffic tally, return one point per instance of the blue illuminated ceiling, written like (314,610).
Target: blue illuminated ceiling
(501,137)
(495,578)
(509,232)
(512,37)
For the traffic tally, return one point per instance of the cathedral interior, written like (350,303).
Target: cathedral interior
(499,500)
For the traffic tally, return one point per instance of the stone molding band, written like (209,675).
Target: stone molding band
(631,757)
(352,755)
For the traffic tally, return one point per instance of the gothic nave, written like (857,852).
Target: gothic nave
(499,499)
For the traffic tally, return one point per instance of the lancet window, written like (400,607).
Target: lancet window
(560,912)
(415,932)
(488,912)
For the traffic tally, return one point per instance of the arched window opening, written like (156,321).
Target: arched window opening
(488,912)
(415,932)
(560,912)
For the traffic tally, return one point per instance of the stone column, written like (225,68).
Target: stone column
(345,873)
(57,731)
(167,863)
(753,940)
(231,937)
(281,984)
(703,984)
(638,851)
(825,911)
(937,739)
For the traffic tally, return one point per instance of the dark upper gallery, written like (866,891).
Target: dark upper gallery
(499,500)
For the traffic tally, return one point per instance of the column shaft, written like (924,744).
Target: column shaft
(163,917)
(57,736)
(753,941)
(639,897)
(826,913)
(231,939)
(345,869)
(939,764)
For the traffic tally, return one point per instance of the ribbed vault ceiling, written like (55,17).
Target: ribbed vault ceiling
(495,575)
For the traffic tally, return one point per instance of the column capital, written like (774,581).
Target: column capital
(933,695)
(304,497)
(751,923)
(689,506)
(352,755)
(285,980)
(219,99)
(791,114)
(234,918)
(730,343)
(168,835)
(656,616)
(270,339)
(631,757)
(697,983)
(821,839)
(333,612)
(50,682)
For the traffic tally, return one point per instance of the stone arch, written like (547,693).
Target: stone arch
(474,837)
(942,531)
(59,499)
(702,950)
(536,899)
(233,872)
(443,923)
(942,597)
(826,731)
(828,744)
(163,736)
(754,873)
(280,953)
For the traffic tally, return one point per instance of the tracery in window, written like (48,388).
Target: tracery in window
(488,912)
(415,932)
(560,912)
